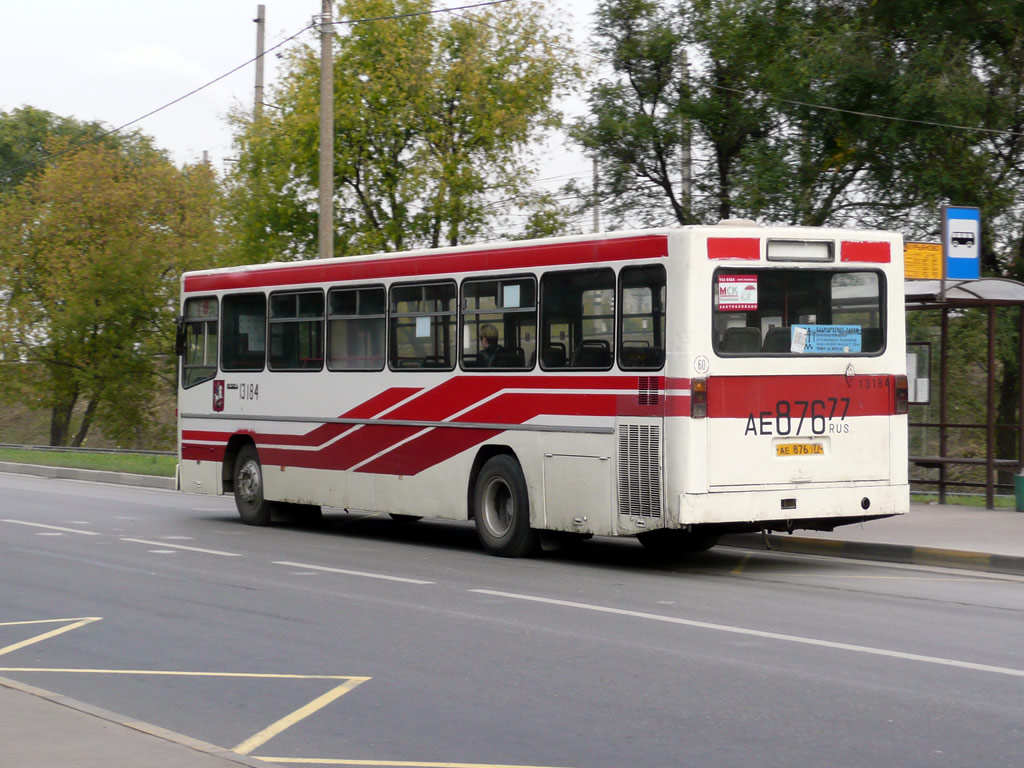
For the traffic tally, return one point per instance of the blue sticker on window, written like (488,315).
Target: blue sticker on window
(826,339)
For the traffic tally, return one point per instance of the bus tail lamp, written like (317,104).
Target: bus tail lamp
(698,398)
(902,394)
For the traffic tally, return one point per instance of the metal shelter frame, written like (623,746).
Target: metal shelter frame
(988,293)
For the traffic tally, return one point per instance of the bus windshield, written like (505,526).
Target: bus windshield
(798,312)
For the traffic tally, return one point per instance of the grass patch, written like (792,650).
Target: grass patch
(965,500)
(161,466)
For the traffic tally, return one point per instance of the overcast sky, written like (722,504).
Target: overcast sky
(115,60)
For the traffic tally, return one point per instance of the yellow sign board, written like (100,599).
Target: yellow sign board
(922,261)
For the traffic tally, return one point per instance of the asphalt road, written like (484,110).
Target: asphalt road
(372,642)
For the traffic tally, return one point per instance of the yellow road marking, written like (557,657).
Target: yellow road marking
(47,635)
(272,730)
(741,565)
(178,673)
(43,621)
(388,763)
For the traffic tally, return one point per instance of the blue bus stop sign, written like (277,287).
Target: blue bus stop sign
(961,242)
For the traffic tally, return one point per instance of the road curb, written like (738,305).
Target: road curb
(890,553)
(95,475)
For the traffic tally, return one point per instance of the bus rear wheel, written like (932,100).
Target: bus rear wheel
(501,509)
(248,481)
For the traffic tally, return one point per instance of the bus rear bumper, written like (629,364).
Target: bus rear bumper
(818,508)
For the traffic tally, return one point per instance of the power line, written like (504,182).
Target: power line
(421,13)
(874,115)
(194,91)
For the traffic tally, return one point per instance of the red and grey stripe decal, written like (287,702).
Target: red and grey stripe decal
(496,402)
(446,416)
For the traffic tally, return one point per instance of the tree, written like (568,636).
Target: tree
(813,112)
(91,251)
(433,114)
(27,135)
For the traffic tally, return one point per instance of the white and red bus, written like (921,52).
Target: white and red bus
(672,384)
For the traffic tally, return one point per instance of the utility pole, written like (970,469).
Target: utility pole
(596,200)
(261,25)
(686,163)
(326,230)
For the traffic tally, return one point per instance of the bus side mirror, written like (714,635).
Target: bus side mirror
(179,338)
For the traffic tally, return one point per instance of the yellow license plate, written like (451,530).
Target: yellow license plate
(799,449)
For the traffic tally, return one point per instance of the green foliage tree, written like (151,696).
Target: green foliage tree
(820,112)
(91,251)
(433,114)
(27,135)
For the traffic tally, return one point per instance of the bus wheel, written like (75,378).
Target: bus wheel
(252,507)
(501,508)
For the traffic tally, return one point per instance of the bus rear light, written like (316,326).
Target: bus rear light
(698,398)
(902,394)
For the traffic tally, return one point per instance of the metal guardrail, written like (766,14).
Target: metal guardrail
(68,449)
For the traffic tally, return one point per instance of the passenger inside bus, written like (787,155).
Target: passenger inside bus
(488,345)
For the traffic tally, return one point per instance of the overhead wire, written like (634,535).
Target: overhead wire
(100,136)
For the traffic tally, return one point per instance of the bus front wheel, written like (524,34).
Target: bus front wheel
(252,507)
(501,508)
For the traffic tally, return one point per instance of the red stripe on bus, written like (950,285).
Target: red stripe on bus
(433,264)
(740,397)
(321,434)
(442,443)
(747,248)
(872,252)
(360,442)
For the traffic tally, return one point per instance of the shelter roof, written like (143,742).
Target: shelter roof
(982,292)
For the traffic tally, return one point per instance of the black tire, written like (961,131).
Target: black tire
(501,509)
(248,482)
(674,543)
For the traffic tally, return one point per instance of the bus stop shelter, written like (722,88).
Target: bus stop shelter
(990,294)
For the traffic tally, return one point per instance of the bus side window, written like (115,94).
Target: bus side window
(297,331)
(422,330)
(356,329)
(578,312)
(642,294)
(499,323)
(244,343)
(199,363)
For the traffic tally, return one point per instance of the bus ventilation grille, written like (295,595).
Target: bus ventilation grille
(648,390)
(640,470)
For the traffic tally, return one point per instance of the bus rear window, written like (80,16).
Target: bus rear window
(798,312)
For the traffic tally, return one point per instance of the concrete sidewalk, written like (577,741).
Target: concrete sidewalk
(40,729)
(947,536)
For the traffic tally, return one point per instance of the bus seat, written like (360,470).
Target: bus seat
(778,339)
(871,340)
(513,357)
(553,356)
(593,353)
(741,340)
(641,356)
